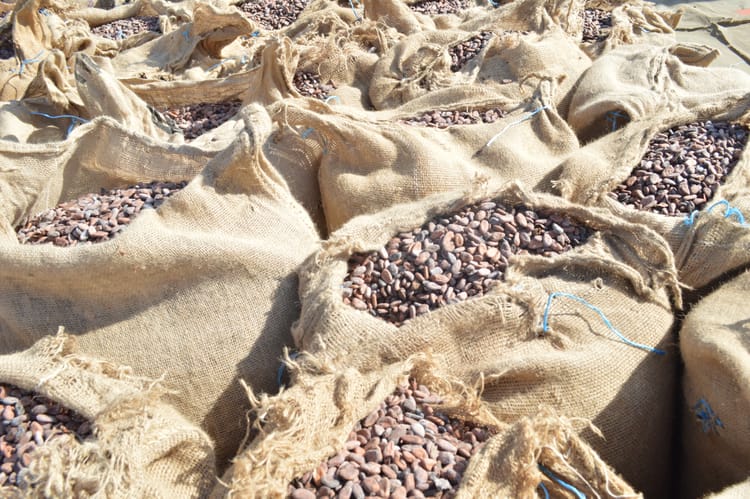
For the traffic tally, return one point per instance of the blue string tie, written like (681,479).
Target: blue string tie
(545,321)
(25,62)
(332,97)
(612,118)
(517,122)
(494,4)
(356,16)
(559,481)
(282,369)
(729,212)
(706,415)
(74,120)
(544,490)
(255,34)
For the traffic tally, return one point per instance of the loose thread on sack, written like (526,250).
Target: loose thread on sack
(511,125)
(612,116)
(74,120)
(556,294)
(282,369)
(559,481)
(706,415)
(332,97)
(25,62)
(356,16)
(730,211)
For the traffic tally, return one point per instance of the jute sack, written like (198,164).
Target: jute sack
(706,245)
(523,15)
(346,59)
(644,81)
(625,271)
(371,160)
(715,347)
(267,82)
(632,22)
(310,422)
(539,454)
(421,63)
(185,53)
(140,447)
(201,291)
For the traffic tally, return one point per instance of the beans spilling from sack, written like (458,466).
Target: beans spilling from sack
(404,448)
(452,258)
(597,24)
(435,7)
(467,50)
(274,14)
(444,119)
(683,168)
(123,28)
(196,119)
(94,218)
(28,421)
(310,85)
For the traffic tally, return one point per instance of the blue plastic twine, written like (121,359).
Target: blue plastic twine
(730,211)
(612,118)
(282,369)
(74,120)
(559,481)
(332,97)
(706,415)
(356,16)
(545,321)
(494,4)
(24,62)
(518,122)
(544,489)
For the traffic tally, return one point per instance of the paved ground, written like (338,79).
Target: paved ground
(722,24)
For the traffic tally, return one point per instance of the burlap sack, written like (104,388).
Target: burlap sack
(538,454)
(346,60)
(186,52)
(421,63)
(311,421)
(140,447)
(202,291)
(715,347)
(644,81)
(520,15)
(706,246)
(625,270)
(295,438)
(633,22)
(371,160)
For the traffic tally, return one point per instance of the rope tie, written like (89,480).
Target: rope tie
(623,339)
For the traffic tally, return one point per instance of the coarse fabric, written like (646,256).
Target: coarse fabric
(373,160)
(202,291)
(311,421)
(510,464)
(140,447)
(715,346)
(187,52)
(633,22)
(706,245)
(421,63)
(645,82)
(578,367)
(294,439)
